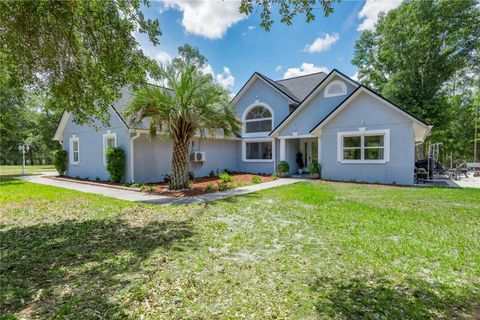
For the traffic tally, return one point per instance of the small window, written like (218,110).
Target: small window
(258,120)
(109,141)
(335,88)
(258,151)
(364,147)
(74,150)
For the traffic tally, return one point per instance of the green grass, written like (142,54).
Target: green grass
(303,251)
(17,170)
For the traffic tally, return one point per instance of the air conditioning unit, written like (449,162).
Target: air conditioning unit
(198,156)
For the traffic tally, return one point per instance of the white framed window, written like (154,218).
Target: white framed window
(109,141)
(257,120)
(363,146)
(335,88)
(258,150)
(74,150)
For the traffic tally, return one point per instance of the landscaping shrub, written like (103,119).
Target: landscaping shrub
(225,177)
(210,188)
(256,180)
(314,167)
(60,161)
(115,163)
(283,166)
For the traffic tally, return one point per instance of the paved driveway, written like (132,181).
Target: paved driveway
(136,196)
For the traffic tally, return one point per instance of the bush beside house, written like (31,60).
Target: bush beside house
(115,163)
(60,161)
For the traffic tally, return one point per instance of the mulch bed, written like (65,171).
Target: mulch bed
(102,183)
(200,185)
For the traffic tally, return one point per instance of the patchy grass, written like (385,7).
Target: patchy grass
(17,170)
(305,251)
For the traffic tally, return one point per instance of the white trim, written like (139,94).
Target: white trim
(61,126)
(247,110)
(244,149)
(297,137)
(342,84)
(362,132)
(106,136)
(132,156)
(72,139)
(353,96)
(283,150)
(310,97)
(250,82)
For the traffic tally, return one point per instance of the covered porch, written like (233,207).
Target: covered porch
(299,152)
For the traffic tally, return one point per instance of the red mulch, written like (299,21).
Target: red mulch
(199,186)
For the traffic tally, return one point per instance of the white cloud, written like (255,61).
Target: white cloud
(208,70)
(355,76)
(251,27)
(322,43)
(305,68)
(163,57)
(210,19)
(225,79)
(278,68)
(371,9)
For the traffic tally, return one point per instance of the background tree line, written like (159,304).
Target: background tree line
(424,56)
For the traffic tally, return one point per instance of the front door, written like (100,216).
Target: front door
(310,152)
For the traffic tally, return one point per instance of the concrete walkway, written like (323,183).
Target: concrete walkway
(153,198)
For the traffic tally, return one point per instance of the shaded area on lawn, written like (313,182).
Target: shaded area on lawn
(76,267)
(380,298)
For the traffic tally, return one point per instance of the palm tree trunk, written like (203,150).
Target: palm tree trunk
(180,176)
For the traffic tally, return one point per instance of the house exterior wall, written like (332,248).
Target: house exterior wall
(370,113)
(91,163)
(260,92)
(153,157)
(317,109)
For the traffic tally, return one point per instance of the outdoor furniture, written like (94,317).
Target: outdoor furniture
(473,166)
(420,175)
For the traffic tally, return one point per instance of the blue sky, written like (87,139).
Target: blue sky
(236,46)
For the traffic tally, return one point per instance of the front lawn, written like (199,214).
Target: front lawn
(303,251)
(17,170)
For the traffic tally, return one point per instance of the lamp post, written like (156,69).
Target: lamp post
(23,148)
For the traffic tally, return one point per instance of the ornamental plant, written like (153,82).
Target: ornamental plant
(283,166)
(115,163)
(60,161)
(314,167)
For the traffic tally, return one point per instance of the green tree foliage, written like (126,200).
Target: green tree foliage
(78,53)
(195,103)
(287,9)
(60,161)
(416,50)
(115,163)
(25,118)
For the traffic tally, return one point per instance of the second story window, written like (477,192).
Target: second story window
(258,120)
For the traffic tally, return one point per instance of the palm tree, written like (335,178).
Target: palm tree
(194,104)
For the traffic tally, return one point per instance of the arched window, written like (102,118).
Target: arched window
(335,88)
(257,119)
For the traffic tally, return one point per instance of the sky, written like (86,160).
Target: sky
(236,45)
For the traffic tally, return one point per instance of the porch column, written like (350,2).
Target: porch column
(282,150)
(319,150)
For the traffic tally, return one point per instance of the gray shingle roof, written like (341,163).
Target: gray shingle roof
(301,86)
(121,107)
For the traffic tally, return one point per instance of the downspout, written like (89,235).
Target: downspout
(132,156)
